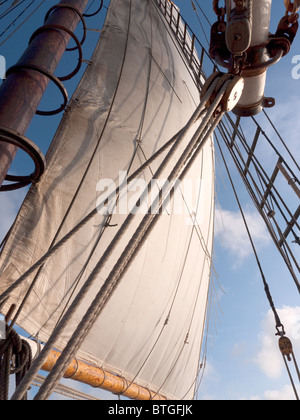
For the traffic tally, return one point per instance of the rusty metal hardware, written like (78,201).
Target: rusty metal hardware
(63,28)
(22,142)
(219,11)
(292,7)
(53,78)
(284,36)
(238,35)
(218,50)
(22,91)
(286,347)
(68,6)
(239,29)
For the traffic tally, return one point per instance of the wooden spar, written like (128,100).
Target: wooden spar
(100,378)
(22,90)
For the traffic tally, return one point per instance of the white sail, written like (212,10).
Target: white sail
(137,93)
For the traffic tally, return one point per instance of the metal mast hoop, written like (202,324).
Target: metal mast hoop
(63,28)
(17,139)
(68,6)
(95,13)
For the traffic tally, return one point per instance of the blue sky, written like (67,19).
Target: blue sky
(243,361)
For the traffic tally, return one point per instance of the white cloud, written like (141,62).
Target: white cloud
(269,358)
(231,231)
(286,393)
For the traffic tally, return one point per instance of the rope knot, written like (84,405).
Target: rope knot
(15,359)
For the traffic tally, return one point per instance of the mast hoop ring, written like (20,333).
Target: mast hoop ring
(53,78)
(68,6)
(78,47)
(95,13)
(13,137)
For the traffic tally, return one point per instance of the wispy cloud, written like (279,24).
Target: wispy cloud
(232,234)
(269,358)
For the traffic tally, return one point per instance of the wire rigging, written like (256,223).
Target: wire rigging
(11,9)
(22,23)
(278,324)
(17,18)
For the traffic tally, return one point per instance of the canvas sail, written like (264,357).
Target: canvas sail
(137,93)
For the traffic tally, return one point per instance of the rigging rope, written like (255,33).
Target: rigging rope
(284,343)
(15,359)
(100,300)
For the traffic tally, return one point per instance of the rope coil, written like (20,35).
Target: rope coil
(15,359)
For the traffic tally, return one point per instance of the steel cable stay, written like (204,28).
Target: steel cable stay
(186,39)
(11,9)
(255,193)
(16,18)
(23,22)
(265,218)
(285,344)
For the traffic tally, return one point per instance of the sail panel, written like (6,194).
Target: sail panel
(135,96)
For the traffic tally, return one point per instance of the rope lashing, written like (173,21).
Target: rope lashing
(15,359)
